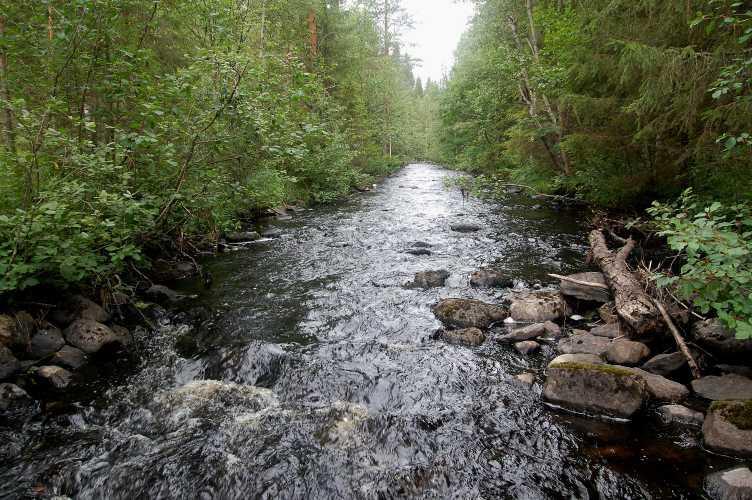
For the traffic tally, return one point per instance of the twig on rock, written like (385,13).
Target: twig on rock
(696,373)
(580,282)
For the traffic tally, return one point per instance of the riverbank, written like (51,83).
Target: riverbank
(322,373)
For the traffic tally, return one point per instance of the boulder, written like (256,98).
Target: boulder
(526,378)
(595,388)
(78,307)
(607,313)
(744,371)
(714,337)
(661,388)
(731,484)
(465,228)
(242,237)
(69,357)
(627,352)
(552,329)
(526,333)
(583,292)
(584,344)
(678,414)
(665,364)
(54,376)
(527,347)
(728,428)
(163,294)
(8,363)
(123,336)
(45,342)
(609,330)
(489,278)
(466,313)
(466,336)
(429,279)
(539,307)
(166,270)
(91,336)
(590,359)
(729,386)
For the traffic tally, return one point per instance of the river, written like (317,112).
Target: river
(314,375)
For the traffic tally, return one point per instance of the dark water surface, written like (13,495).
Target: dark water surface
(316,376)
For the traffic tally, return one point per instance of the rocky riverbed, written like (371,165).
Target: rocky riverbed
(407,343)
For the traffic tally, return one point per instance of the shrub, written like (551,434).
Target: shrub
(716,244)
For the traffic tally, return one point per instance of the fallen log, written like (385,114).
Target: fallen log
(632,303)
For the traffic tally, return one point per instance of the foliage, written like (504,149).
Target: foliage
(715,242)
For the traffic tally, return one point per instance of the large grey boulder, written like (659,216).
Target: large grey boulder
(678,414)
(665,364)
(8,363)
(429,279)
(465,336)
(731,484)
(583,292)
(539,307)
(728,428)
(584,343)
(525,333)
(723,387)
(627,352)
(466,313)
(595,388)
(91,336)
(79,307)
(714,337)
(489,278)
(46,342)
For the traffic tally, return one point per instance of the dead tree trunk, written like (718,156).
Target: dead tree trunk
(633,305)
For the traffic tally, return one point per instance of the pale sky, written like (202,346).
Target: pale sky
(439,24)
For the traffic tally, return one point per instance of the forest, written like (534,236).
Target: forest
(133,127)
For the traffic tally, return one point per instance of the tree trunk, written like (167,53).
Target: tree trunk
(386,27)
(633,305)
(9,130)
(313,33)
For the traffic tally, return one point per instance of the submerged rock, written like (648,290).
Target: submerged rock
(429,279)
(665,364)
(678,414)
(584,343)
(46,342)
(466,313)
(163,294)
(729,386)
(242,237)
(489,278)
(526,378)
(627,352)
(466,336)
(731,484)
(418,252)
(595,388)
(91,336)
(465,228)
(728,428)
(539,307)
(583,292)
(713,336)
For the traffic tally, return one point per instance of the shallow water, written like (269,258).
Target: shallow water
(316,377)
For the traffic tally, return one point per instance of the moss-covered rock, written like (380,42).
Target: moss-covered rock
(466,313)
(728,428)
(595,388)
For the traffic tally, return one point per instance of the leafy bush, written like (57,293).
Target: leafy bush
(716,243)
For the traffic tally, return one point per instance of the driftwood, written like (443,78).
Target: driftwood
(633,304)
(580,282)
(679,340)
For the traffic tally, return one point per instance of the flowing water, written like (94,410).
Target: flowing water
(315,376)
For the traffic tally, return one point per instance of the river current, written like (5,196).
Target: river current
(313,374)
